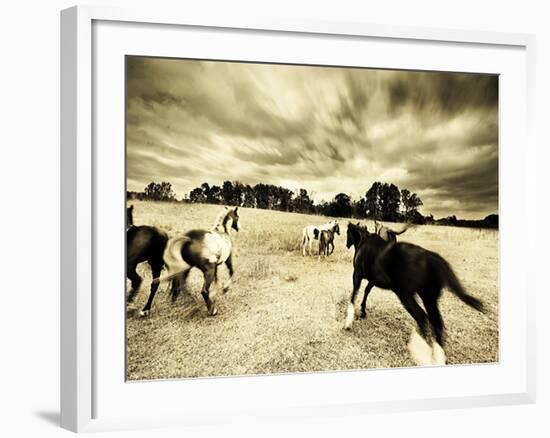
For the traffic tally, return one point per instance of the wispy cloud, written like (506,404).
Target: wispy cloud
(328,130)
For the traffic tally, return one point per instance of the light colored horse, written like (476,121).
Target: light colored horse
(388,234)
(311,233)
(205,250)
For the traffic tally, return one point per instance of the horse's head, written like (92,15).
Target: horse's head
(354,234)
(336,229)
(129,216)
(234,216)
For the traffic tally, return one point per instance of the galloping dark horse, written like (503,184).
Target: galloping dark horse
(407,270)
(143,244)
(361,231)
(205,250)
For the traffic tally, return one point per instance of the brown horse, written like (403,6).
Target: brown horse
(143,244)
(326,240)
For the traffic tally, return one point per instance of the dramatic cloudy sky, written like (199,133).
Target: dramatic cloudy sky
(328,130)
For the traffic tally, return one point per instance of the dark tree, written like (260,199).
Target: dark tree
(249,200)
(206,190)
(411,202)
(372,201)
(359,208)
(303,203)
(159,192)
(238,193)
(227,192)
(416,217)
(390,198)
(341,206)
(197,195)
(285,199)
(491,221)
(214,195)
(323,208)
(261,193)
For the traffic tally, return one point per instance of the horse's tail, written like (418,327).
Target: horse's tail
(173,259)
(167,277)
(449,279)
(405,228)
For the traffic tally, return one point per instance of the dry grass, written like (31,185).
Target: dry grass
(285,312)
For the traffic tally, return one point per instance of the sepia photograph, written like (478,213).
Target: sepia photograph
(288,218)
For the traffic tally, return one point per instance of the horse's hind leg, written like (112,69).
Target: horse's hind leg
(418,345)
(434,315)
(156,268)
(209,276)
(350,314)
(135,279)
(414,309)
(364,302)
(229,264)
(177,284)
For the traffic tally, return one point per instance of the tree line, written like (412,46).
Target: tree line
(382,201)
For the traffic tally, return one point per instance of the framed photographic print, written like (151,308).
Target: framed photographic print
(233,191)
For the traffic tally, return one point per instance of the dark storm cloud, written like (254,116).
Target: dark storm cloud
(449,93)
(328,130)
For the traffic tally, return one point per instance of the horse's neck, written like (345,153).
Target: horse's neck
(224,224)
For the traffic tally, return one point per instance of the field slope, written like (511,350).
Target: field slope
(285,312)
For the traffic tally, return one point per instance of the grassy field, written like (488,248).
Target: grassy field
(285,312)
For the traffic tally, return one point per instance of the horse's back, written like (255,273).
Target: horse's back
(412,266)
(206,245)
(144,242)
(392,265)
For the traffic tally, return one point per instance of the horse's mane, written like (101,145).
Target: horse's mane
(220,219)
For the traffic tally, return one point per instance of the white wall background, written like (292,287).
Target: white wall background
(29,172)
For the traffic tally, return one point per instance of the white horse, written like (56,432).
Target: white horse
(205,250)
(311,233)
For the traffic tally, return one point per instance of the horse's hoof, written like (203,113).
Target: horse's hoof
(214,312)
(144,313)
(438,355)
(421,352)
(350,316)
(225,289)
(363,316)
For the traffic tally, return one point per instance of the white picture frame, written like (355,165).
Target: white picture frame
(82,379)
